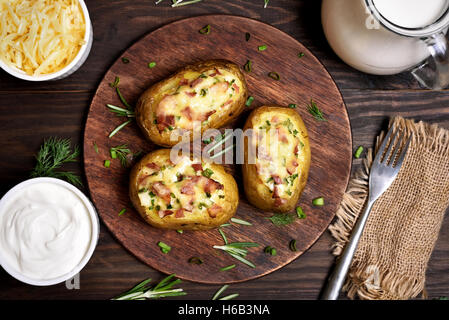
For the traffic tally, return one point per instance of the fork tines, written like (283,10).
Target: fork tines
(393,149)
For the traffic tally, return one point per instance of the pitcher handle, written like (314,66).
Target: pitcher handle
(433,73)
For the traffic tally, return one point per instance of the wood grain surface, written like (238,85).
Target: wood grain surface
(32,111)
(301,79)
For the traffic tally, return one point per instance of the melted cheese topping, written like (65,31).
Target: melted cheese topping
(174,177)
(40,36)
(278,147)
(198,96)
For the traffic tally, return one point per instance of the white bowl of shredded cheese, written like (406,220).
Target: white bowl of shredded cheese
(43,40)
(48,231)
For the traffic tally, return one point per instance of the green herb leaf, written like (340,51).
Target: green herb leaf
(53,153)
(232,266)
(262,48)
(122,211)
(152,64)
(280,219)
(115,83)
(125,60)
(301,54)
(165,248)
(107,163)
(292,245)
(96,148)
(239,221)
(318,201)
(142,291)
(270,250)
(207,173)
(292,105)
(122,152)
(315,111)
(120,127)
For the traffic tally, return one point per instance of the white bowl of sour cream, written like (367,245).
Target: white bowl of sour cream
(48,231)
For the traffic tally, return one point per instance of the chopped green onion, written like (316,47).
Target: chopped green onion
(292,105)
(180,231)
(122,211)
(358,152)
(266,3)
(122,99)
(262,48)
(292,245)
(274,75)
(249,101)
(270,250)
(318,201)
(301,54)
(232,266)
(107,163)
(195,260)
(300,213)
(247,36)
(125,60)
(96,147)
(152,64)
(239,221)
(113,154)
(207,173)
(248,66)
(205,29)
(165,248)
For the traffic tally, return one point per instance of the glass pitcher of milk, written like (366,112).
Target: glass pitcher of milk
(391,36)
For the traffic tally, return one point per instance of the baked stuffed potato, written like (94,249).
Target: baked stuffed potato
(188,195)
(210,93)
(277,173)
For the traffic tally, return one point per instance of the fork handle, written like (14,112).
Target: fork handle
(337,278)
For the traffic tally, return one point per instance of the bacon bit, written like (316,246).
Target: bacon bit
(170,120)
(161,126)
(206,115)
(214,210)
(291,169)
(236,88)
(161,191)
(163,213)
(279,202)
(277,179)
(190,94)
(217,71)
(142,178)
(212,185)
(226,103)
(153,166)
(296,149)
(189,206)
(282,135)
(219,87)
(179,213)
(213,74)
(187,188)
(183,82)
(276,192)
(195,82)
(187,112)
(197,166)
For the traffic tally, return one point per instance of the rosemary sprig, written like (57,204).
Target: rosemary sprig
(237,251)
(53,153)
(240,221)
(121,112)
(315,111)
(221,290)
(121,152)
(164,289)
(120,127)
(179,3)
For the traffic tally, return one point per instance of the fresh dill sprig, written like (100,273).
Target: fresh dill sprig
(143,291)
(121,152)
(315,111)
(53,153)
(237,251)
(280,219)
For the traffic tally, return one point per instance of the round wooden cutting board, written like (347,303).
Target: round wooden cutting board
(301,79)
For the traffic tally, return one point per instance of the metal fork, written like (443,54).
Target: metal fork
(384,170)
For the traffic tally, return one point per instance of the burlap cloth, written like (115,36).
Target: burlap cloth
(401,231)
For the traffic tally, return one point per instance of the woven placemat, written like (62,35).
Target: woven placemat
(403,226)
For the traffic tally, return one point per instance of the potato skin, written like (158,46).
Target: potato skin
(148,102)
(195,220)
(256,192)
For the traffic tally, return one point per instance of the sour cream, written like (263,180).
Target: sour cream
(46,230)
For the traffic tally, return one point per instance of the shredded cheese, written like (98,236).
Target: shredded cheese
(40,36)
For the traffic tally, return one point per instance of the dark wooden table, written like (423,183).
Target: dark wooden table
(29,112)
